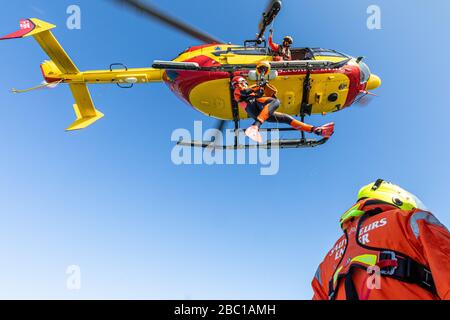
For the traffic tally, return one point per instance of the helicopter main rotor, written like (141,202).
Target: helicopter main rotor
(268,16)
(154,13)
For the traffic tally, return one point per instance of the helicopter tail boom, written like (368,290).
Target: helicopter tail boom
(60,64)
(61,69)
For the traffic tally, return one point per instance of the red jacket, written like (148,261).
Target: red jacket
(406,244)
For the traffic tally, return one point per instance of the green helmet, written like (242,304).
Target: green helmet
(386,192)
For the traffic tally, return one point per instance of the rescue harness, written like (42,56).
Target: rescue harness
(391,263)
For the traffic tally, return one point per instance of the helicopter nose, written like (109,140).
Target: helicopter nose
(373,82)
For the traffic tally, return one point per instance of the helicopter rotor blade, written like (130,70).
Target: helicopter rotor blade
(269,15)
(156,14)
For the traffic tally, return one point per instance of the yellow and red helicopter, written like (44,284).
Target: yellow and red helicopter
(315,81)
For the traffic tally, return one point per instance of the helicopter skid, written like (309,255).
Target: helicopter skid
(270,144)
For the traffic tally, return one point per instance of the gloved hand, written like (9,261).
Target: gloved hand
(263,82)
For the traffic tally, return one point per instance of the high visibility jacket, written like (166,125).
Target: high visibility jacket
(387,253)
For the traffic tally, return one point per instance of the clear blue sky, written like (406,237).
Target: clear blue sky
(110,200)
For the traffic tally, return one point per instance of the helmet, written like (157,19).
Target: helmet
(263,68)
(288,39)
(386,192)
(237,80)
(391,193)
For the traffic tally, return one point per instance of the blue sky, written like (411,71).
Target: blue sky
(110,200)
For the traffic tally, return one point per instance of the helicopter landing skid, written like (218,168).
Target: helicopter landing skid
(269,144)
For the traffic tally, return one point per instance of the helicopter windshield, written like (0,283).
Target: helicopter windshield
(327,53)
(365,72)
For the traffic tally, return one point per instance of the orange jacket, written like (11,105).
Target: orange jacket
(388,235)
(253,93)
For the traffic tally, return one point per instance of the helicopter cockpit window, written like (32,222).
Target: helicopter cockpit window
(365,72)
(327,53)
(302,54)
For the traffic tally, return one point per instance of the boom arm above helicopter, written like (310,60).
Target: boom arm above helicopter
(269,16)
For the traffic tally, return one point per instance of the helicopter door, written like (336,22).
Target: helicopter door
(328,92)
(302,54)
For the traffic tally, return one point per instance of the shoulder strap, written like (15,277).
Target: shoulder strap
(400,266)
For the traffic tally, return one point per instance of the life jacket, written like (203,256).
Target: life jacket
(355,251)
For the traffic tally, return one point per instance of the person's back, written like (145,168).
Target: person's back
(389,250)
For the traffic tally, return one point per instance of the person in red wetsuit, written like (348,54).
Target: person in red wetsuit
(282,51)
(260,103)
(393,248)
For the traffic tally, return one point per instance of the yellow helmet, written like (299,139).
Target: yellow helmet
(391,193)
(386,192)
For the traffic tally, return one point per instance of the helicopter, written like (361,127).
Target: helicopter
(314,81)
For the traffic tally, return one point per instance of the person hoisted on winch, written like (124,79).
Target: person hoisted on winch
(260,103)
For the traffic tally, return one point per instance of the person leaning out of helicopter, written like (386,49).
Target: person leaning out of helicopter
(260,103)
(282,51)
